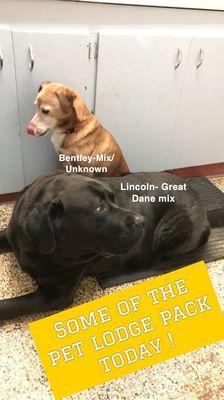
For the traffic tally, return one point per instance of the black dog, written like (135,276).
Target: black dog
(66,226)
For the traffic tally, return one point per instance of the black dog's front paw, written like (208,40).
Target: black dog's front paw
(4,243)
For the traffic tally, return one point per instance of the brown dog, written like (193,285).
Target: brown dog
(83,144)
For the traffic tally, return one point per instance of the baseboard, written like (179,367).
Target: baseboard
(8,198)
(209,170)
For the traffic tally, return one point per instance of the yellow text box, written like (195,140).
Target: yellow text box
(117,334)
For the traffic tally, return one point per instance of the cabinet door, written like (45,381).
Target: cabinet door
(137,92)
(60,57)
(199,131)
(11,168)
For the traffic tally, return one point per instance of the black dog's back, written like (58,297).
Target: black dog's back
(172,228)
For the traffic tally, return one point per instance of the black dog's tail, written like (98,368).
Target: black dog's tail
(4,243)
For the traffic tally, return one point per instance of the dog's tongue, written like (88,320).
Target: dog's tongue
(32,130)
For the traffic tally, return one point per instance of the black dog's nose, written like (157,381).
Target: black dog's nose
(137,220)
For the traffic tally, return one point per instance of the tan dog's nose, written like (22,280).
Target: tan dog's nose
(31,130)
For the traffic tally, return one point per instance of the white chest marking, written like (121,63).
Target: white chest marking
(57,140)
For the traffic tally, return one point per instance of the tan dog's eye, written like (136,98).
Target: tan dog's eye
(100,207)
(45,111)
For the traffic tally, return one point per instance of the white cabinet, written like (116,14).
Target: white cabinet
(199,130)
(11,166)
(138,90)
(60,57)
(163,117)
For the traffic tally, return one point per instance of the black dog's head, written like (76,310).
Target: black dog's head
(84,219)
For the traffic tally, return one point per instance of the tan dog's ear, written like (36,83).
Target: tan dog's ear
(66,97)
(44,83)
(81,110)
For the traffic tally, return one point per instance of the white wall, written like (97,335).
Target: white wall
(194,4)
(50,14)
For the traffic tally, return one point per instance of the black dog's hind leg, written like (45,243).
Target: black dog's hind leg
(4,243)
(204,236)
(173,234)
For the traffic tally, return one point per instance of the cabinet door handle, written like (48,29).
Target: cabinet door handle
(31,65)
(1,59)
(201,57)
(179,59)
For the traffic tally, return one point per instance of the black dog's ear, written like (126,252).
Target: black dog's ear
(44,83)
(100,189)
(41,224)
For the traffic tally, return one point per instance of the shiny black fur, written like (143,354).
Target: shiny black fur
(66,226)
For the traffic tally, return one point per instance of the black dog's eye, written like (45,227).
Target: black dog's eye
(45,111)
(100,207)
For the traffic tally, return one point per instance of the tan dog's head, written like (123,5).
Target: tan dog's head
(59,109)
